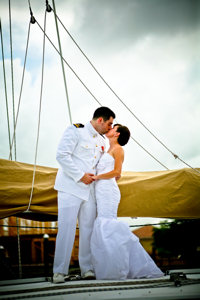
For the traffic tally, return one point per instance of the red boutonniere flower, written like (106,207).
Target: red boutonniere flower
(102,147)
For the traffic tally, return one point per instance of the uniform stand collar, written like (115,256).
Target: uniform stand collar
(91,129)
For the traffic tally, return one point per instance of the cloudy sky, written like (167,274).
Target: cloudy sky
(148,52)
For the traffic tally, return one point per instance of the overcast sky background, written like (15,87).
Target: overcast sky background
(147,50)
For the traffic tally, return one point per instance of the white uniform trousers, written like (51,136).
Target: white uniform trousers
(69,209)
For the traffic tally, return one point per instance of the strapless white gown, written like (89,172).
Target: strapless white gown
(116,251)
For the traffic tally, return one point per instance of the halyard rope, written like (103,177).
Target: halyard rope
(5,87)
(39,117)
(12,78)
(111,89)
(86,86)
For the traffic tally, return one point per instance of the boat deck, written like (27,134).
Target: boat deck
(176,285)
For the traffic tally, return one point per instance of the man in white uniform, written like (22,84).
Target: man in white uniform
(78,154)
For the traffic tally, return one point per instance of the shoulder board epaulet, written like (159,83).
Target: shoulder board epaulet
(78,125)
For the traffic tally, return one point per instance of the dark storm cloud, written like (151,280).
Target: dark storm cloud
(122,22)
(115,22)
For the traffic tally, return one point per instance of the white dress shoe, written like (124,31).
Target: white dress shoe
(89,275)
(58,278)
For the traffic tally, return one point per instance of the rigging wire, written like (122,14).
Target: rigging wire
(39,116)
(20,94)
(14,136)
(5,88)
(111,89)
(12,79)
(148,153)
(90,91)
(69,66)
(33,20)
(15,122)
(63,69)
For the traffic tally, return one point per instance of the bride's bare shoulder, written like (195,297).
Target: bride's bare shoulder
(118,150)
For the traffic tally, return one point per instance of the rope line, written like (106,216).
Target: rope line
(55,227)
(32,20)
(69,66)
(20,94)
(89,90)
(39,116)
(5,88)
(188,165)
(62,58)
(12,79)
(62,65)
(14,138)
(111,89)
(149,153)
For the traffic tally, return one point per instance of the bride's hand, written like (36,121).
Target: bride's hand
(94,177)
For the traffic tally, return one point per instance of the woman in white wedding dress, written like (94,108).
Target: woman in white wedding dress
(116,251)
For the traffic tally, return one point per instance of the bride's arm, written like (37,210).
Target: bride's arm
(119,158)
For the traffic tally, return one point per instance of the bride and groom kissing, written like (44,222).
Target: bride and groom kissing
(87,190)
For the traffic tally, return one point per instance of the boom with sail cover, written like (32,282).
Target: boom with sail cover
(163,194)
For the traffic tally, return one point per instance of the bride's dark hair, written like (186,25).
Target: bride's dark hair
(124,134)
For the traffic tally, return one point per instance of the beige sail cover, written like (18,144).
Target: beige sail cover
(163,194)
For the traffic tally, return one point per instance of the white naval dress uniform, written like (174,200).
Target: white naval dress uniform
(78,153)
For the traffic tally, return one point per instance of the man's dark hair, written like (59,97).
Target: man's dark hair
(103,112)
(124,134)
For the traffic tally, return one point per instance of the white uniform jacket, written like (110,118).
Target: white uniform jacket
(78,153)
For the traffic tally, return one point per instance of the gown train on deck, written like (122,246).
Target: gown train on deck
(116,251)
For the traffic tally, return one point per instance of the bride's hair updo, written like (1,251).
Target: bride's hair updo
(124,134)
